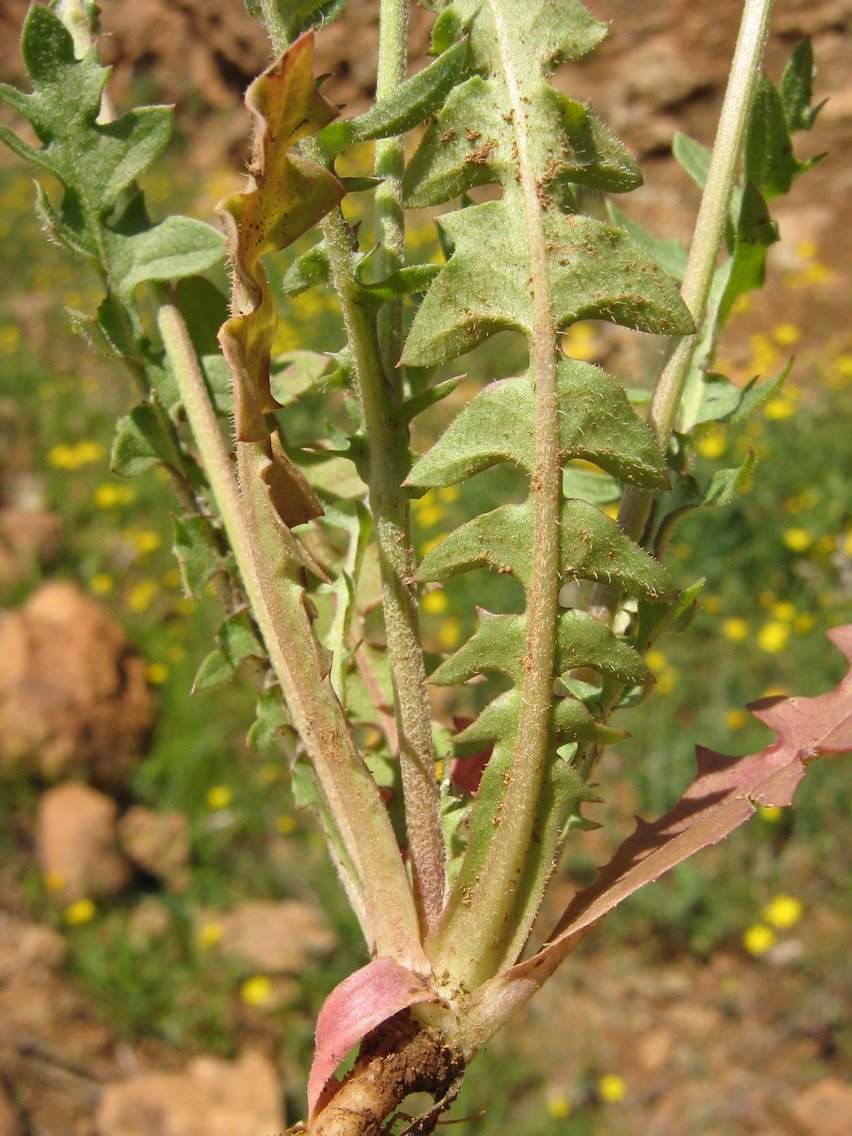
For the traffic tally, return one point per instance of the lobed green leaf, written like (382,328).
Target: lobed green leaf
(596,423)
(592,547)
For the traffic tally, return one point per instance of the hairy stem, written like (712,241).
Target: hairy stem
(274,24)
(269,567)
(389,460)
(389,165)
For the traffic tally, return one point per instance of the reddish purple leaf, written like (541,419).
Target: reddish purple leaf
(723,795)
(466,772)
(357,1005)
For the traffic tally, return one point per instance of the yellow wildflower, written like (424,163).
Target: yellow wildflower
(286,824)
(54,881)
(255,991)
(783,912)
(156,673)
(558,1107)
(435,602)
(612,1088)
(448,493)
(803,623)
(656,659)
(83,911)
(101,583)
(758,939)
(735,719)
(429,516)
(784,610)
(735,629)
(86,452)
(209,934)
(778,408)
(61,457)
(666,681)
(107,495)
(712,445)
(763,353)
(824,547)
(141,595)
(787,334)
(219,796)
(145,540)
(770,814)
(798,540)
(449,633)
(773,637)
(581,342)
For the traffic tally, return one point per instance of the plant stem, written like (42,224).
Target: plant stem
(389,462)
(389,165)
(263,549)
(472,943)
(709,230)
(274,24)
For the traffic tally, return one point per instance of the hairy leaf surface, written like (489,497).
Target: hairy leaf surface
(531,263)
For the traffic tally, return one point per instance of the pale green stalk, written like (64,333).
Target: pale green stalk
(268,563)
(707,241)
(380,386)
(376,344)
(389,165)
(387,442)
(275,29)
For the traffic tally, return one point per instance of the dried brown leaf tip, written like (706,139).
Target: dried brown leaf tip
(286,195)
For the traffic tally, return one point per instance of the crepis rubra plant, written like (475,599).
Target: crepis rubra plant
(448,899)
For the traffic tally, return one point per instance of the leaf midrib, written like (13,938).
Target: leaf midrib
(481,927)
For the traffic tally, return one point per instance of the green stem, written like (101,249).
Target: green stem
(389,461)
(389,165)
(709,230)
(275,29)
(269,565)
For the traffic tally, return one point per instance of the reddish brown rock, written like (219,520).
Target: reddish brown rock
(148,921)
(158,842)
(275,938)
(210,1098)
(26,948)
(73,693)
(78,843)
(825,1109)
(10,1121)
